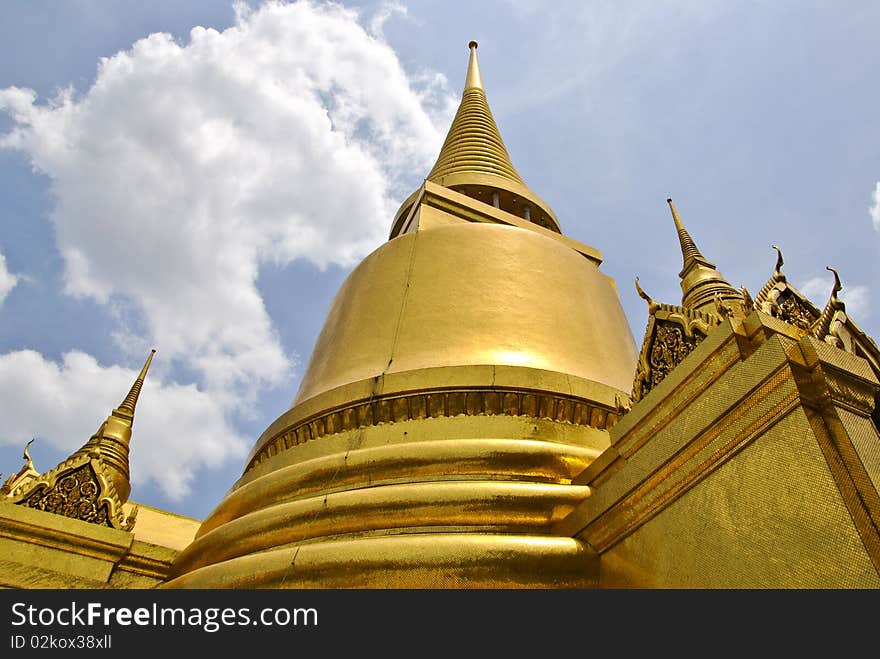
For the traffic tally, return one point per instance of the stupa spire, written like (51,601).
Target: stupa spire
(690,254)
(473,80)
(130,401)
(701,283)
(474,160)
(473,144)
(112,438)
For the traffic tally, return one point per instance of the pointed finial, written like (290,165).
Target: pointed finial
(837,286)
(689,251)
(700,281)
(130,401)
(778,270)
(827,325)
(748,302)
(27,453)
(652,305)
(473,79)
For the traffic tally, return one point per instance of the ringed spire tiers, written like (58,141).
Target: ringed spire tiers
(475,161)
(701,282)
(112,439)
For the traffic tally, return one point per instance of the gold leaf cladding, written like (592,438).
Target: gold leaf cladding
(794,312)
(671,335)
(851,393)
(441,403)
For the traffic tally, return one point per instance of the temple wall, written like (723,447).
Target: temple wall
(754,464)
(45,550)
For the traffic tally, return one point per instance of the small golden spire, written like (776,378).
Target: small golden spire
(111,440)
(473,144)
(473,80)
(703,287)
(130,401)
(474,160)
(689,251)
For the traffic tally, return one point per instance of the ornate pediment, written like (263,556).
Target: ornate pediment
(674,331)
(671,335)
(781,300)
(78,488)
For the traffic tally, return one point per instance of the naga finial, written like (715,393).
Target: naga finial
(837,285)
(27,453)
(779,261)
(652,305)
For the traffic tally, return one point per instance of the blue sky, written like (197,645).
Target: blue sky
(200,177)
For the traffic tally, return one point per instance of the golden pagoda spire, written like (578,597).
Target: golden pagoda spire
(130,401)
(474,159)
(473,80)
(689,252)
(701,283)
(473,143)
(112,439)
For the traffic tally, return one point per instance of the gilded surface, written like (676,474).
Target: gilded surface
(669,347)
(452,428)
(772,517)
(74,495)
(671,335)
(48,550)
(766,479)
(794,312)
(433,299)
(439,403)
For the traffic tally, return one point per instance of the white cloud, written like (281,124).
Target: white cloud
(293,134)
(385,12)
(177,429)
(856,298)
(875,207)
(7,279)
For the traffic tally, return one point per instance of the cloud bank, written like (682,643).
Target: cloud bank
(293,134)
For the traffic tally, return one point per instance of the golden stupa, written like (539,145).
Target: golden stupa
(476,414)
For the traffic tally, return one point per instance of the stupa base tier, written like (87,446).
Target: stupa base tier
(422,560)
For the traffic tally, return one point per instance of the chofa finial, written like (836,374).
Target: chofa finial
(779,261)
(652,305)
(837,285)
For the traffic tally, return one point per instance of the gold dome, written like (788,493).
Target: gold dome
(472,293)
(467,370)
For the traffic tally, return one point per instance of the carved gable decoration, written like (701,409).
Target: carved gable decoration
(795,310)
(79,489)
(781,300)
(672,334)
